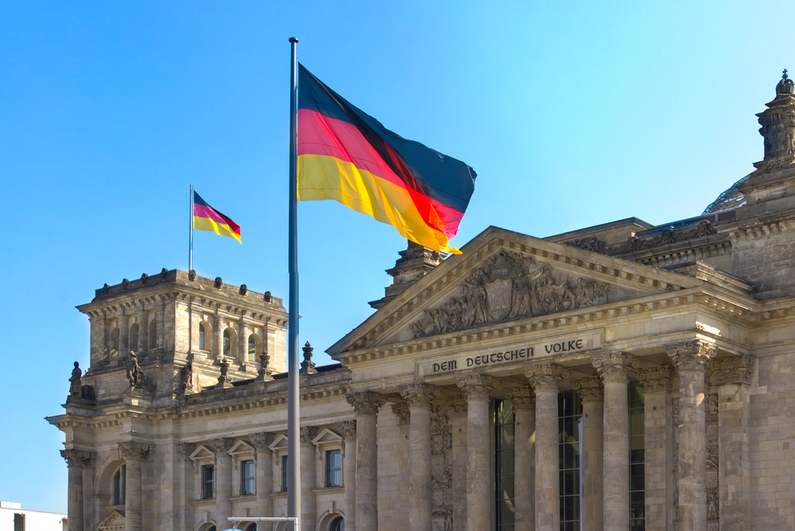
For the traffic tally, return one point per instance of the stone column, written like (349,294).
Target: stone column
(347,428)
(733,378)
(223,477)
(308,478)
(657,440)
(242,342)
(133,454)
(264,472)
(366,406)
(691,361)
(615,368)
(88,491)
(183,519)
(545,379)
(419,397)
(457,413)
(524,415)
(477,389)
(76,460)
(401,411)
(591,464)
(218,337)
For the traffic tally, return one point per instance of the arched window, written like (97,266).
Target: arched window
(134,337)
(252,348)
(153,334)
(227,343)
(114,343)
(337,525)
(251,527)
(202,337)
(119,484)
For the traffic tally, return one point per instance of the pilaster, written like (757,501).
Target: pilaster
(223,476)
(133,454)
(308,477)
(366,405)
(76,461)
(184,517)
(264,471)
(347,428)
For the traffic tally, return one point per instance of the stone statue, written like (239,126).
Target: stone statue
(135,374)
(186,378)
(75,389)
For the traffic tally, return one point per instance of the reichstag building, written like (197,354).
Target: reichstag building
(622,376)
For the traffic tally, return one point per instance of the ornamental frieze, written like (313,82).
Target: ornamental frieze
(508,287)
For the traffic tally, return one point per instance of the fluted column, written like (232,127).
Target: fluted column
(76,460)
(223,477)
(545,379)
(592,400)
(366,405)
(477,389)
(419,397)
(133,454)
(218,337)
(457,413)
(733,377)
(401,411)
(347,428)
(308,478)
(691,361)
(657,437)
(524,415)
(615,368)
(184,517)
(264,471)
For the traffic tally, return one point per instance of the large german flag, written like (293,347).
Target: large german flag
(347,155)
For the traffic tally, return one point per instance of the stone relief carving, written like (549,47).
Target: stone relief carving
(441,469)
(675,452)
(667,236)
(732,370)
(712,436)
(508,286)
(595,245)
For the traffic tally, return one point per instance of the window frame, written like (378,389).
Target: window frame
(205,482)
(119,485)
(248,479)
(329,470)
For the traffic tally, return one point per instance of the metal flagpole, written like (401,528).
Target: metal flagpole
(293,396)
(190,251)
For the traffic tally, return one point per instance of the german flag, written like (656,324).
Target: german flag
(206,217)
(347,155)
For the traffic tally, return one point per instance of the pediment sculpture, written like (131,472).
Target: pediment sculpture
(509,286)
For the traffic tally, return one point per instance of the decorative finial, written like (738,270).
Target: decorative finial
(308,366)
(785,86)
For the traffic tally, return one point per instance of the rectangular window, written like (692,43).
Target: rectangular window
(504,464)
(570,449)
(247,477)
(284,473)
(19,522)
(637,458)
(333,468)
(208,482)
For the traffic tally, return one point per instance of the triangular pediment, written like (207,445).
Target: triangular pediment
(202,453)
(115,521)
(326,436)
(279,443)
(241,447)
(505,277)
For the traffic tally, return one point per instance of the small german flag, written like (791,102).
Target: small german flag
(206,217)
(348,156)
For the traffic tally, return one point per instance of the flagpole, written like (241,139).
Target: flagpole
(190,247)
(293,395)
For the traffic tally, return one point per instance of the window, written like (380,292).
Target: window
(284,473)
(337,525)
(208,482)
(251,527)
(227,343)
(19,522)
(119,485)
(252,348)
(333,468)
(637,495)
(134,337)
(247,477)
(504,465)
(114,343)
(570,427)
(202,337)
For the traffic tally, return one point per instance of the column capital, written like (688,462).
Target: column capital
(220,445)
(365,402)
(134,451)
(477,386)
(261,440)
(614,366)
(589,389)
(692,355)
(732,370)
(545,376)
(521,397)
(78,458)
(347,429)
(655,379)
(307,434)
(185,449)
(401,410)
(456,407)
(419,395)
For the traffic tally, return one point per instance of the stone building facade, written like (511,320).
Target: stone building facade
(623,376)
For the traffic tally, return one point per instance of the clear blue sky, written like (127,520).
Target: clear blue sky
(572,114)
